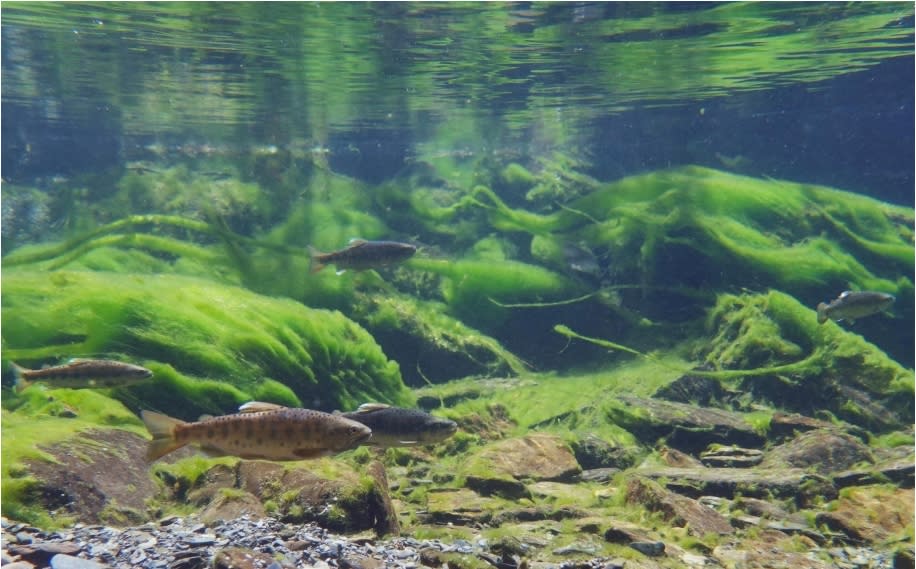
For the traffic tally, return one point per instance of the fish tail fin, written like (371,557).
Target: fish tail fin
(162,427)
(821,313)
(316,264)
(21,382)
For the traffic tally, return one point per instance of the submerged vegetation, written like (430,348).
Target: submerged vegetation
(592,302)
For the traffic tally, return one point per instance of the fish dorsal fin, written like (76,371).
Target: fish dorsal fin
(259,406)
(369,407)
(357,242)
(845,293)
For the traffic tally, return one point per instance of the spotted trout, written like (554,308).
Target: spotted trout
(360,255)
(279,433)
(83,373)
(851,305)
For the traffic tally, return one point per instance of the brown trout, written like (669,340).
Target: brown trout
(280,433)
(83,373)
(360,255)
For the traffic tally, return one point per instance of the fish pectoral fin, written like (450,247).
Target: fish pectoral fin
(212,452)
(305,453)
(357,242)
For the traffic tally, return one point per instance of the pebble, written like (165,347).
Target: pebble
(61,561)
(184,543)
(649,548)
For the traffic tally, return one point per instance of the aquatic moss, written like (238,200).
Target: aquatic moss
(471,286)
(221,342)
(764,329)
(412,328)
(31,420)
(798,237)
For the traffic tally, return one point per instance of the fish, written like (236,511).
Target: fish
(361,254)
(851,305)
(279,433)
(582,261)
(83,373)
(398,427)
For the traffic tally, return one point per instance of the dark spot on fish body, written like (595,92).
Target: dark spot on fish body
(236,426)
(272,433)
(224,430)
(211,433)
(260,441)
(249,430)
(288,432)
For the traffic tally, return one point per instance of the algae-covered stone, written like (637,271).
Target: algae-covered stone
(536,457)
(211,346)
(442,346)
(872,514)
(794,362)
(824,451)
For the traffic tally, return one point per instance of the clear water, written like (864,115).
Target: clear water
(814,92)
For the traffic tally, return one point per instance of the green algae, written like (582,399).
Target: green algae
(756,329)
(32,420)
(798,237)
(211,346)
(427,325)
(470,286)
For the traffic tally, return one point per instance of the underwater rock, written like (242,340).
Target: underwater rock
(231,505)
(533,457)
(685,427)
(693,389)
(326,492)
(812,370)
(729,482)
(678,459)
(731,457)
(431,345)
(460,507)
(242,558)
(761,508)
(871,514)
(823,451)
(679,510)
(787,425)
(381,509)
(594,452)
(97,476)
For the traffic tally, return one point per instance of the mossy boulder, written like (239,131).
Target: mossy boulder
(806,367)
(210,346)
(431,344)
